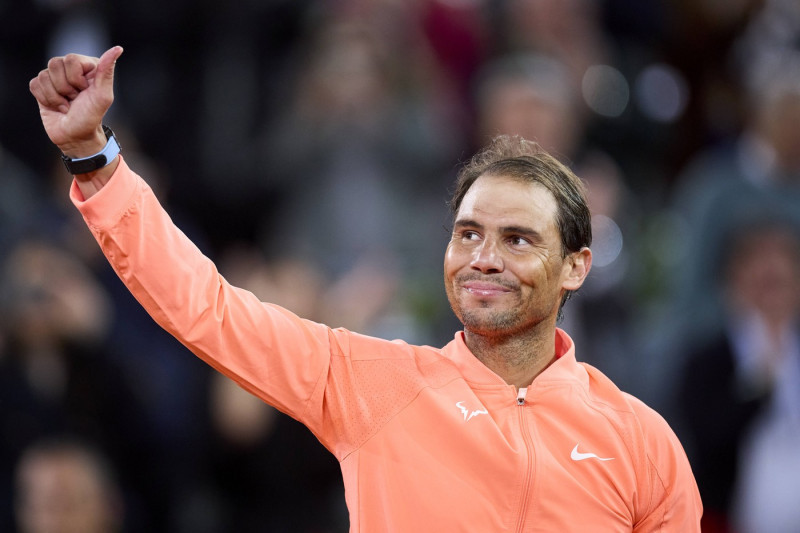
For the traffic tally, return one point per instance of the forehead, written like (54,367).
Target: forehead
(507,200)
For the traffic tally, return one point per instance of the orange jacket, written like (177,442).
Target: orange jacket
(428,439)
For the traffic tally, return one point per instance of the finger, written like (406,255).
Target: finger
(35,87)
(44,92)
(57,70)
(104,75)
(78,69)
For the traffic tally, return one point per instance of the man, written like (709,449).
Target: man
(739,391)
(500,430)
(65,486)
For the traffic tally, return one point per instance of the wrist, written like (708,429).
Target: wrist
(93,155)
(87,147)
(90,183)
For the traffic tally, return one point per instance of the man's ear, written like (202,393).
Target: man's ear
(577,266)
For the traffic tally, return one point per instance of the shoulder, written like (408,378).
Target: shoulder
(661,460)
(666,494)
(395,364)
(361,347)
(656,431)
(673,499)
(649,435)
(646,420)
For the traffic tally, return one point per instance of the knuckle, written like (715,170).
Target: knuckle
(71,61)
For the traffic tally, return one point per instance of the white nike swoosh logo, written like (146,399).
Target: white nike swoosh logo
(578,456)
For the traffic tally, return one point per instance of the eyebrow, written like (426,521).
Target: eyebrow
(517,230)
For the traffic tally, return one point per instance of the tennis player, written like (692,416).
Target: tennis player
(501,430)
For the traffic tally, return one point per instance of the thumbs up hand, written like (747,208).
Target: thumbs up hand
(74,93)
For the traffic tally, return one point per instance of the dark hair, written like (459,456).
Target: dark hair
(514,157)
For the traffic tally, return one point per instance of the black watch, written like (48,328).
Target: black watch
(96,161)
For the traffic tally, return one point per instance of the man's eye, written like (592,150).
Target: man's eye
(516,240)
(470,235)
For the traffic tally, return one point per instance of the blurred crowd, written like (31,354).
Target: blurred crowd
(309,146)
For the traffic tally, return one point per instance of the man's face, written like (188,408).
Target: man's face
(503,268)
(61,493)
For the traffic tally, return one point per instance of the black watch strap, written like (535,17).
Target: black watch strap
(96,161)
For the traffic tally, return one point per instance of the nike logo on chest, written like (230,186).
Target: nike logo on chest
(578,456)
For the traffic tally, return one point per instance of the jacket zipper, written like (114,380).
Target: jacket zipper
(526,437)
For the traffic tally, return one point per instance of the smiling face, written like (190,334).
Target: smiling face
(504,269)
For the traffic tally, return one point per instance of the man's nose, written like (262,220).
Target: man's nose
(487,257)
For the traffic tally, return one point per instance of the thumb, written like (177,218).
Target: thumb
(105,67)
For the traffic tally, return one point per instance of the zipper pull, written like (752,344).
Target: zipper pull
(521,395)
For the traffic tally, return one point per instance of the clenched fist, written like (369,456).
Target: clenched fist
(74,93)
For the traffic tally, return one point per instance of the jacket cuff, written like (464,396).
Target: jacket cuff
(106,207)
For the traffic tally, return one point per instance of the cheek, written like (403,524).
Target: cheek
(539,276)
(452,261)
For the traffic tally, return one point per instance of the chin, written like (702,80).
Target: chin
(490,322)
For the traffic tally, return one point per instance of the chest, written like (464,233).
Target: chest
(483,455)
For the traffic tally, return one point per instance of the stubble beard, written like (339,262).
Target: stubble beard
(487,322)
(482,319)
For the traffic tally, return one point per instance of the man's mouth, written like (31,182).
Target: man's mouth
(485,288)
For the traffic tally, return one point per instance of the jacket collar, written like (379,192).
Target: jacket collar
(565,366)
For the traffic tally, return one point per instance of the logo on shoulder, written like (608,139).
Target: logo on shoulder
(468,414)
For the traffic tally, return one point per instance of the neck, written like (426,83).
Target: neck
(516,358)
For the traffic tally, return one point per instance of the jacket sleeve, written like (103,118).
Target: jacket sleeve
(672,502)
(269,351)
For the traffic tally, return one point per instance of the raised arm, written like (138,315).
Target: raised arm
(74,93)
(276,355)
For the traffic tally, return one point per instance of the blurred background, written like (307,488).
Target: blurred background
(309,148)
